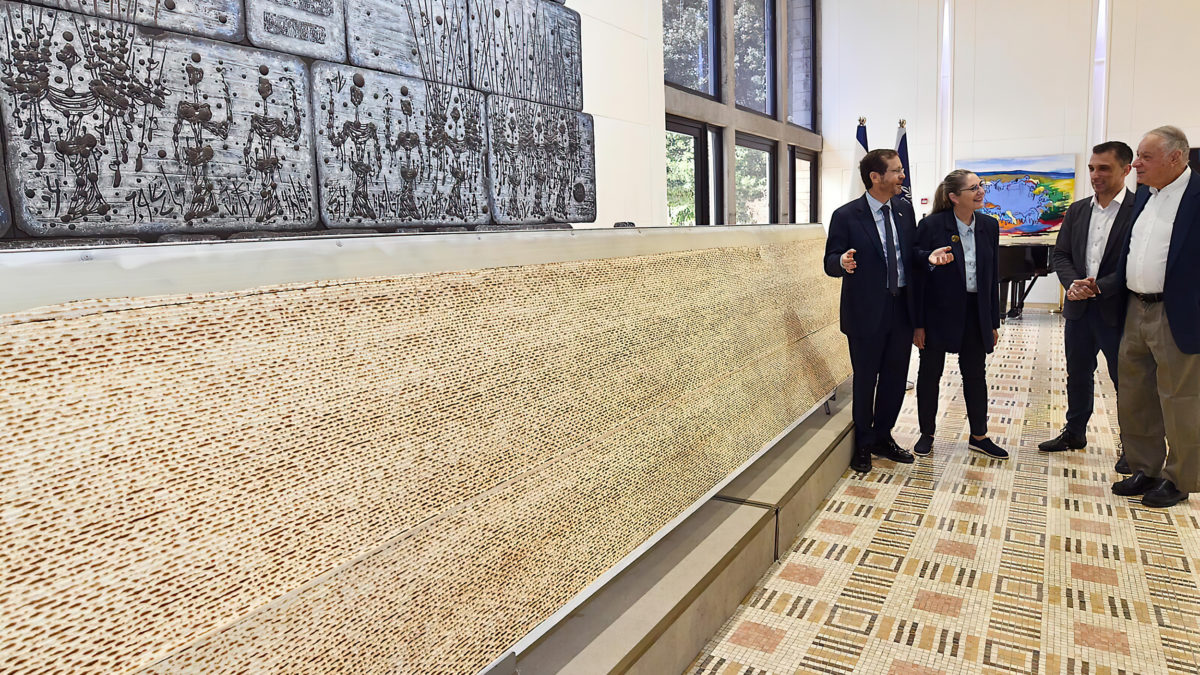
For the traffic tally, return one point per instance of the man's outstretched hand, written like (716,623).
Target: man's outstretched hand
(848,263)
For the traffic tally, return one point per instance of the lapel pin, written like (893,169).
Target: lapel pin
(955,239)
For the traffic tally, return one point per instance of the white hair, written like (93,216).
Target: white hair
(1173,139)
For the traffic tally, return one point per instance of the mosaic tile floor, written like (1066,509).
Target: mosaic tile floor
(963,564)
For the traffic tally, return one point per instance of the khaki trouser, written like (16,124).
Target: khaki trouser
(1159,398)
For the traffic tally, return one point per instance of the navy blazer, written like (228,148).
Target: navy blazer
(1070,259)
(943,289)
(864,293)
(1181,290)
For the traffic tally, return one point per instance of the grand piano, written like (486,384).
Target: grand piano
(1023,260)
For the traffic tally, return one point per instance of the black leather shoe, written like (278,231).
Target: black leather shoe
(1163,494)
(987,447)
(924,446)
(860,461)
(1122,466)
(889,450)
(1064,441)
(1137,484)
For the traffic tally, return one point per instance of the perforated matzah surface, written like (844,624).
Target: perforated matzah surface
(383,475)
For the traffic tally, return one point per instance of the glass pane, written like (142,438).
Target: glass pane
(803,188)
(752,54)
(688,44)
(800,55)
(752,174)
(681,179)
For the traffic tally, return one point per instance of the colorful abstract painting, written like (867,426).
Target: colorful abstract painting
(1028,195)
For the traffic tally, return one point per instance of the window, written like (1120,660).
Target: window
(754,176)
(694,173)
(803,185)
(716,177)
(754,55)
(690,45)
(802,80)
(763,157)
(682,203)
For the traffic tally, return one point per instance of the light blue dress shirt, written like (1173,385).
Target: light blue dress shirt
(875,205)
(966,235)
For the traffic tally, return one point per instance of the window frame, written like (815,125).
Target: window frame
(706,194)
(716,56)
(816,73)
(771,147)
(720,114)
(795,153)
(773,107)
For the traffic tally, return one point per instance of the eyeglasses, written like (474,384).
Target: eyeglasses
(976,188)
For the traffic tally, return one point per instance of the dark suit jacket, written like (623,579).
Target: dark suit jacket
(864,293)
(943,289)
(1182,287)
(1070,259)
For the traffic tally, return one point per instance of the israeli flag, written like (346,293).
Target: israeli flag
(902,150)
(860,151)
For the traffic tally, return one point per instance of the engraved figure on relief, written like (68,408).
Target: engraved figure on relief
(92,105)
(261,155)
(408,140)
(521,160)
(455,141)
(365,158)
(196,115)
(452,128)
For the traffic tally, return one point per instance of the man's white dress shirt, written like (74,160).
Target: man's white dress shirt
(1146,270)
(1098,231)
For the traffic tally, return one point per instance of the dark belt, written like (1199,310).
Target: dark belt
(1148,297)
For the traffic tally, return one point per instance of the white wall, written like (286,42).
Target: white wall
(878,60)
(623,90)
(1152,51)
(1020,85)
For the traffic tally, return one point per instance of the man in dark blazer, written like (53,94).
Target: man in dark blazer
(1158,404)
(870,247)
(1086,259)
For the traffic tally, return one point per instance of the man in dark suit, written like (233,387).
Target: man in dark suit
(1158,404)
(870,247)
(1086,257)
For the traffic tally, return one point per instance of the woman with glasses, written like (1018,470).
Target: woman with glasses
(958,306)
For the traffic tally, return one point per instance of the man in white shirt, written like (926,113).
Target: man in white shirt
(1087,258)
(1158,404)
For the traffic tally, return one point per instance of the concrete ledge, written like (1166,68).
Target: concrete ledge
(656,615)
(794,476)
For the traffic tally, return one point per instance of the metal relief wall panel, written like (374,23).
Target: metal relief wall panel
(315,28)
(113,129)
(541,163)
(398,150)
(6,215)
(527,49)
(220,19)
(418,38)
